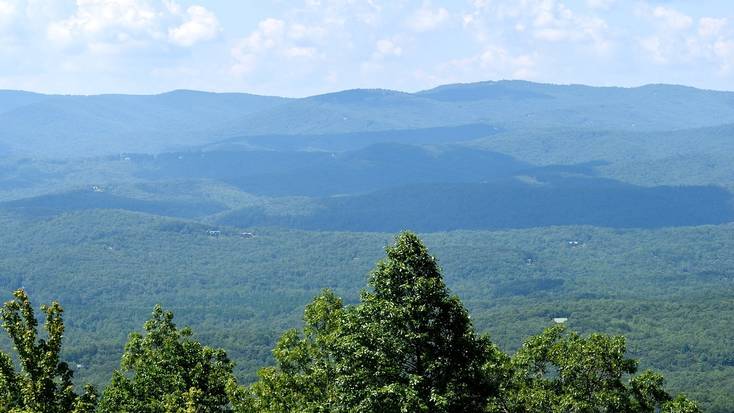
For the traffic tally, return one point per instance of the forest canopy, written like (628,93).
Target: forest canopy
(408,345)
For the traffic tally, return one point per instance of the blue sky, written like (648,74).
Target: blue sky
(304,47)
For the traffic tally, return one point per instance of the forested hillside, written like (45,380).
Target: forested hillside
(407,345)
(36,125)
(611,207)
(665,290)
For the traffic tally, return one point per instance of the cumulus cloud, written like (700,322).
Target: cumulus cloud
(678,41)
(710,26)
(600,4)
(201,25)
(426,19)
(302,32)
(7,10)
(117,24)
(501,61)
(671,18)
(549,21)
(384,54)
(494,62)
(387,47)
(555,22)
(724,51)
(274,38)
(305,46)
(653,46)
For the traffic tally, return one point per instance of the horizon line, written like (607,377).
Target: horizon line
(367,88)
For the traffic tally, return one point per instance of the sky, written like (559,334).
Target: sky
(305,47)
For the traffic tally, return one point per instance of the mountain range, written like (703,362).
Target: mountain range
(52,126)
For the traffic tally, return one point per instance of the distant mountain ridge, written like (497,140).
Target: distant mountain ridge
(62,126)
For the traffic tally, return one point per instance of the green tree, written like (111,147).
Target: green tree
(303,377)
(680,404)
(44,383)
(409,346)
(166,371)
(560,372)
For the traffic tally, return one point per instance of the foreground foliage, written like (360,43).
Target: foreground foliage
(559,372)
(667,291)
(44,383)
(166,370)
(407,346)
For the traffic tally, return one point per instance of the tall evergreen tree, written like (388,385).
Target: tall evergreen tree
(44,382)
(409,346)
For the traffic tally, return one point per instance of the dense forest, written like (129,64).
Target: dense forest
(666,290)
(408,344)
(609,207)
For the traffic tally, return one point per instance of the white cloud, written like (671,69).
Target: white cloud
(7,14)
(680,43)
(383,55)
(426,19)
(709,26)
(600,4)
(302,32)
(244,62)
(297,51)
(7,10)
(113,25)
(724,51)
(271,27)
(653,46)
(276,39)
(675,41)
(528,21)
(555,22)
(308,45)
(494,62)
(387,47)
(269,34)
(202,25)
(500,60)
(672,19)
(115,21)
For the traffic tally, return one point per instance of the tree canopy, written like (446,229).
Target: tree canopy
(408,345)
(563,372)
(44,382)
(167,371)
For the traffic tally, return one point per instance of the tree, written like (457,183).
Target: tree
(44,383)
(409,346)
(681,404)
(166,370)
(303,377)
(559,372)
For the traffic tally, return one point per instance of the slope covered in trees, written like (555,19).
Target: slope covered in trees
(667,290)
(381,187)
(408,345)
(107,203)
(53,126)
